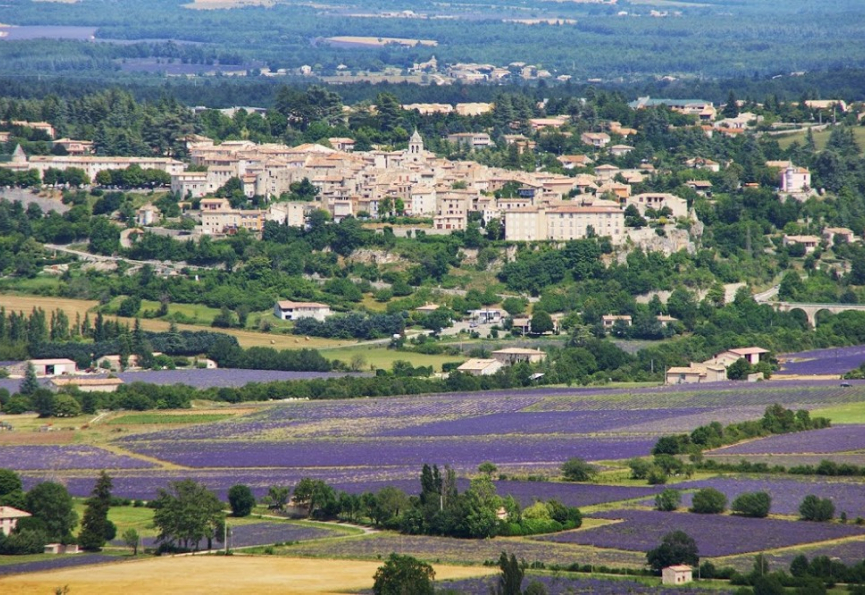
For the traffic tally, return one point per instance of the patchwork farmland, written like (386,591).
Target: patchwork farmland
(363,445)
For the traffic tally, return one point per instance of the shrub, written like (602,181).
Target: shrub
(709,501)
(752,504)
(668,500)
(816,509)
(577,469)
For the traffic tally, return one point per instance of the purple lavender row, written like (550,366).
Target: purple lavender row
(823,361)
(65,457)
(55,563)
(716,535)
(533,451)
(842,438)
(565,585)
(787,493)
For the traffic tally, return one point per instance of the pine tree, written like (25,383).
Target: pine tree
(96,529)
(731,108)
(30,384)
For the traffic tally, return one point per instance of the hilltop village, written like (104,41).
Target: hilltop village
(588,194)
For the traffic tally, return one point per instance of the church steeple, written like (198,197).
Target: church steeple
(18,155)
(415,144)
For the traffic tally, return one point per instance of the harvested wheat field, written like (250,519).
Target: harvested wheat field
(249,575)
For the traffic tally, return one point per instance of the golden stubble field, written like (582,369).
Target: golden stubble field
(247,575)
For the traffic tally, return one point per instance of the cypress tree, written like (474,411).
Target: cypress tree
(96,529)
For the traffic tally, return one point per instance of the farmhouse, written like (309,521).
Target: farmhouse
(481,367)
(696,374)
(288,310)
(513,355)
(53,367)
(677,575)
(9,518)
(753,355)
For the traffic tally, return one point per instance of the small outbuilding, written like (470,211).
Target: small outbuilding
(54,367)
(677,575)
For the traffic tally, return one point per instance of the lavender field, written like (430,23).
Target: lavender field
(850,551)
(716,535)
(464,455)
(465,551)
(837,439)
(835,361)
(787,493)
(56,562)
(66,457)
(566,585)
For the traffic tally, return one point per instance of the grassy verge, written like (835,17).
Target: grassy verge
(161,418)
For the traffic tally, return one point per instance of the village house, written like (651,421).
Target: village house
(486,316)
(844,235)
(665,320)
(572,161)
(452,208)
(554,122)
(43,126)
(75,147)
(810,242)
(471,140)
(342,144)
(480,367)
(795,179)
(9,518)
(599,140)
(609,320)
(620,150)
(701,108)
(659,200)
(191,184)
(291,213)
(288,310)
(702,163)
(513,355)
(522,143)
(606,172)
(147,215)
(826,104)
(703,187)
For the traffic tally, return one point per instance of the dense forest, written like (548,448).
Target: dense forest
(610,41)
